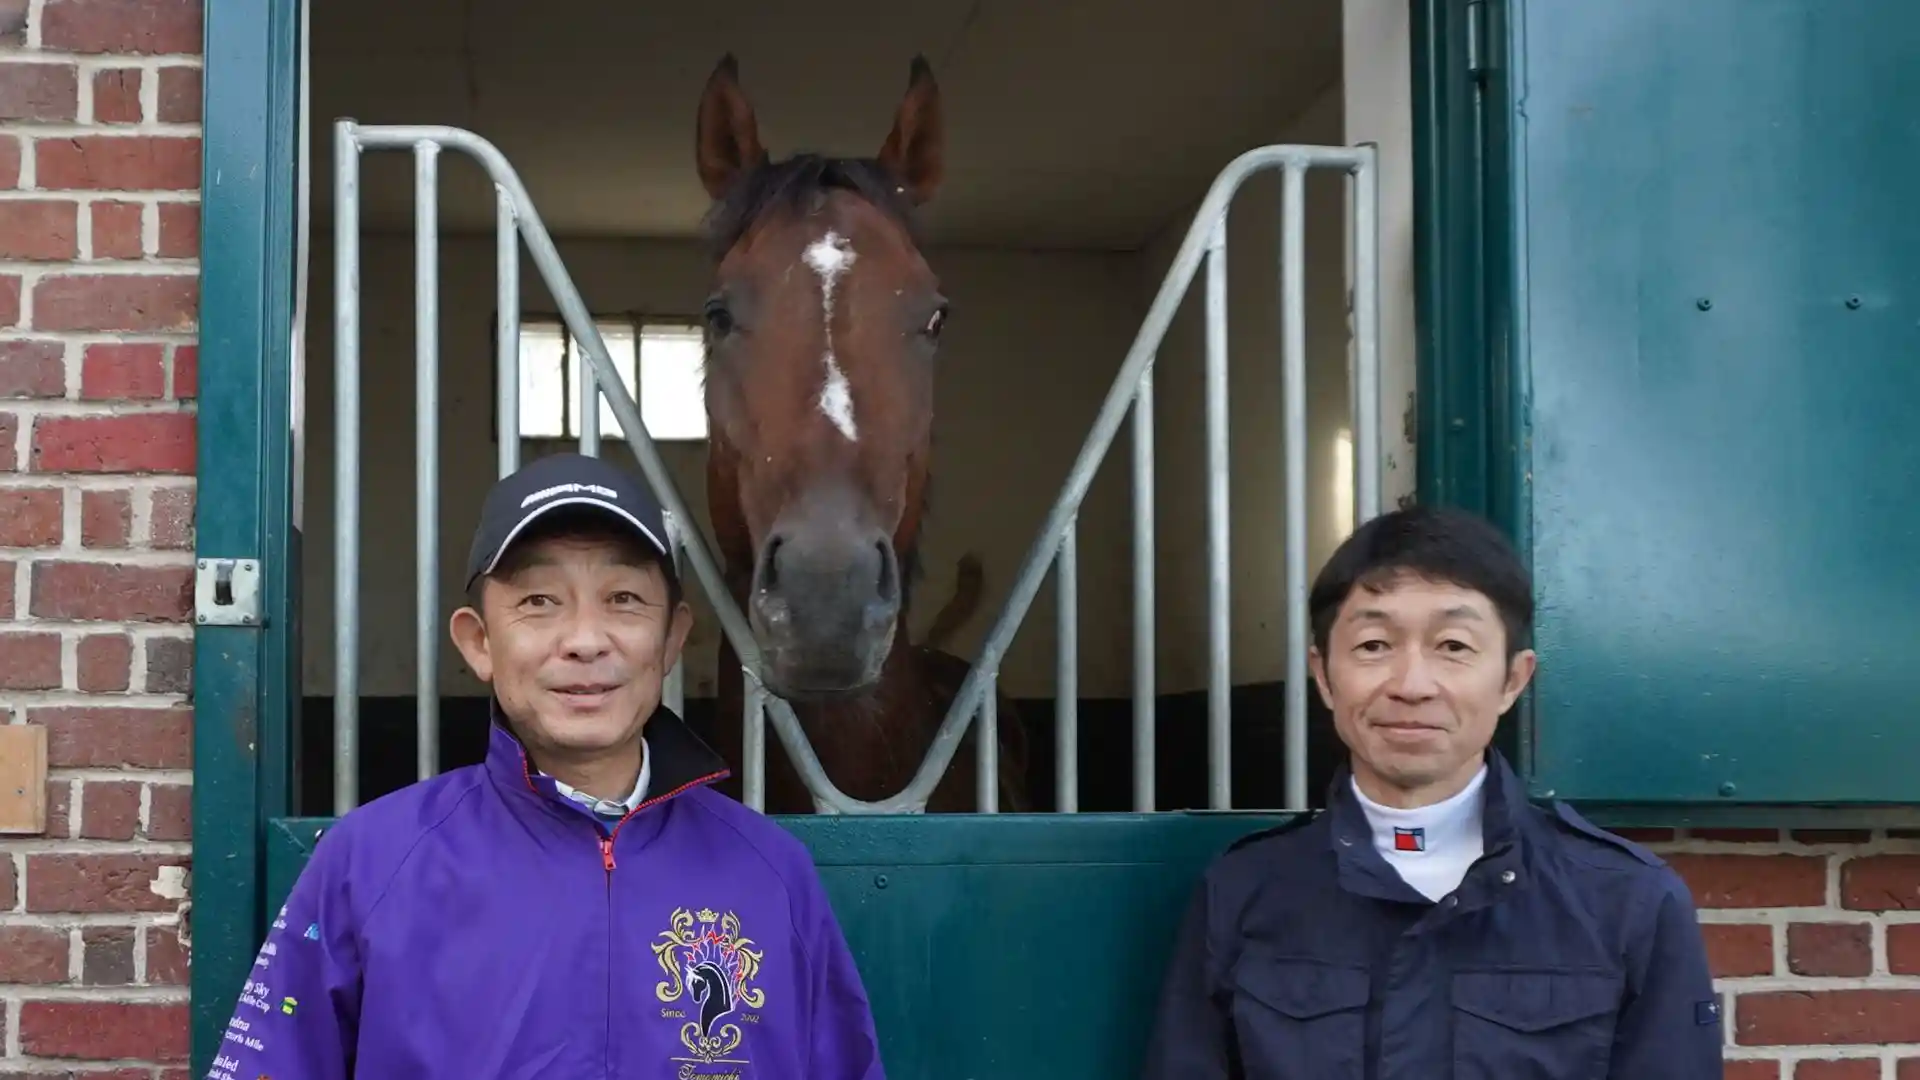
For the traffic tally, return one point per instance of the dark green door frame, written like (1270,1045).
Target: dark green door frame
(243,675)
(1450,295)
(1469,413)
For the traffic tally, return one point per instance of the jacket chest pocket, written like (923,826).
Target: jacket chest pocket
(1298,1019)
(1533,1025)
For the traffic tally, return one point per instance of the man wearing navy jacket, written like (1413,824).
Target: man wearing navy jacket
(582,903)
(1433,923)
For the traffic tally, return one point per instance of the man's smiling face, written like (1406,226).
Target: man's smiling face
(575,631)
(1417,675)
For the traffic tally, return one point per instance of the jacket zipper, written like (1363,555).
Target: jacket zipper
(606,857)
(607,861)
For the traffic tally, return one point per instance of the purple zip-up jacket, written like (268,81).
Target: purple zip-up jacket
(479,926)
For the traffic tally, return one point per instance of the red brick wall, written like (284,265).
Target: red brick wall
(99,289)
(1816,937)
(1815,940)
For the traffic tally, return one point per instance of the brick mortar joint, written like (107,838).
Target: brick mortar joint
(84,129)
(97,482)
(78,408)
(1798,916)
(93,774)
(1878,842)
(138,632)
(164,850)
(53,920)
(84,339)
(1741,985)
(141,196)
(102,556)
(74,407)
(157,995)
(144,61)
(33,272)
(1886,1052)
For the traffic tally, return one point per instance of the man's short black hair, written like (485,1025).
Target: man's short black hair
(574,521)
(1437,543)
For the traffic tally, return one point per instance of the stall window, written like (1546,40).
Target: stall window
(659,361)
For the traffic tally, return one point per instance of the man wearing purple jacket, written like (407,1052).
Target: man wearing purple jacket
(583,903)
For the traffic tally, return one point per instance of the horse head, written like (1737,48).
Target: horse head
(821,331)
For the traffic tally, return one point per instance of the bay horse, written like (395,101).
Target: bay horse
(821,331)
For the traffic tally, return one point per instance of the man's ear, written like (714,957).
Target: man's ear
(1519,672)
(677,632)
(1317,664)
(469,633)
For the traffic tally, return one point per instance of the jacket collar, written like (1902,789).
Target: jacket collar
(1501,867)
(679,761)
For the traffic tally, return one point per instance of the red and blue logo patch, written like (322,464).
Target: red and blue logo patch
(1409,839)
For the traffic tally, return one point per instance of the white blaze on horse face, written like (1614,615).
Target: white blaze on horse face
(829,257)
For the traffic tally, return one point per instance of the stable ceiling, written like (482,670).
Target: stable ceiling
(1070,123)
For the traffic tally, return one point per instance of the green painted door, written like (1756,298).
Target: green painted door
(1707,304)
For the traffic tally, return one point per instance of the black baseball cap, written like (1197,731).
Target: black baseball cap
(555,482)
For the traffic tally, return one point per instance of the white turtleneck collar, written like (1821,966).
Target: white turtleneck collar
(1430,846)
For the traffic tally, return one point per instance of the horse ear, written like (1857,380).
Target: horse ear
(915,149)
(729,139)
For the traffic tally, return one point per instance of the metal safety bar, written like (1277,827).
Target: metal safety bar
(1133,387)
(518,220)
(1055,547)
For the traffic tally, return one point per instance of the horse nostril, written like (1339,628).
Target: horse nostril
(889,575)
(770,564)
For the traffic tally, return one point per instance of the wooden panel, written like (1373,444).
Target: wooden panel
(23,779)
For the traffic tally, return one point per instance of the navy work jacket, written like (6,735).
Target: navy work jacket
(1567,953)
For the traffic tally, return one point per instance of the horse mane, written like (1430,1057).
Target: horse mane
(798,185)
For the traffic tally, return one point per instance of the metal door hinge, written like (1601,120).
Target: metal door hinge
(226,592)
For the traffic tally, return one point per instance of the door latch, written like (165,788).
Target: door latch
(226,592)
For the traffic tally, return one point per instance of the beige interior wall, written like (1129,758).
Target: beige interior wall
(1376,41)
(1256,491)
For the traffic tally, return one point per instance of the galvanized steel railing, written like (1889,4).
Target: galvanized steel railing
(1055,548)
(1133,386)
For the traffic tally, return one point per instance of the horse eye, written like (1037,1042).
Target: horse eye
(935,322)
(719,319)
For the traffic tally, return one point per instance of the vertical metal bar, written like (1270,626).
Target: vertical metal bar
(673,691)
(987,780)
(1066,700)
(589,402)
(426,310)
(507,329)
(346,468)
(1219,627)
(1366,326)
(754,746)
(1143,596)
(1293,389)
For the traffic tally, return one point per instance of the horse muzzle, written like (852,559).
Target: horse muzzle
(824,607)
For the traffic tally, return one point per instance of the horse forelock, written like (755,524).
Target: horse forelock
(799,185)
